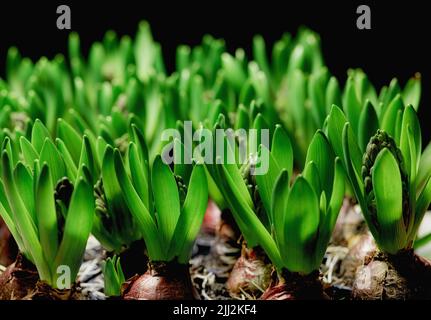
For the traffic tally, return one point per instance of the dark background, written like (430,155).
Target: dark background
(397,46)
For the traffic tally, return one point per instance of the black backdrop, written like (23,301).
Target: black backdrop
(397,45)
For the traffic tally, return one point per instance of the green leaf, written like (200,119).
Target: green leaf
(107,240)
(71,139)
(87,159)
(242,118)
(260,138)
(24,184)
(388,122)
(398,126)
(233,71)
(422,204)
(389,202)
(365,89)
(311,174)
(352,104)
(52,157)
(140,212)
(116,204)
(352,154)
(228,190)
(28,151)
(74,47)
(46,215)
(333,94)
(77,228)
(145,52)
(327,225)
(8,145)
(259,54)
(316,92)
(139,139)
(111,283)
(424,170)
(234,172)
(422,241)
(266,182)
(180,168)
(320,152)
(24,223)
(354,177)
(412,92)
(113,277)
(368,125)
(281,149)
(411,120)
(335,125)
(280,56)
(388,95)
(182,57)
(166,199)
(251,227)
(139,172)
(120,273)
(279,198)
(71,169)
(38,135)
(191,217)
(76,120)
(101,145)
(297,98)
(301,225)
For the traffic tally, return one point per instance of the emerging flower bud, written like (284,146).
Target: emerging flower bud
(377,143)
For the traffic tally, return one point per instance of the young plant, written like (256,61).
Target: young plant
(169,210)
(302,90)
(393,188)
(114,225)
(366,111)
(298,218)
(42,90)
(50,220)
(113,276)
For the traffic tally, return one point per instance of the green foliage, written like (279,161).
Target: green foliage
(170,225)
(50,220)
(393,210)
(113,276)
(291,221)
(82,150)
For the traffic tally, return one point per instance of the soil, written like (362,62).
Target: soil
(20,281)
(216,251)
(350,225)
(351,269)
(210,269)
(43,291)
(349,245)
